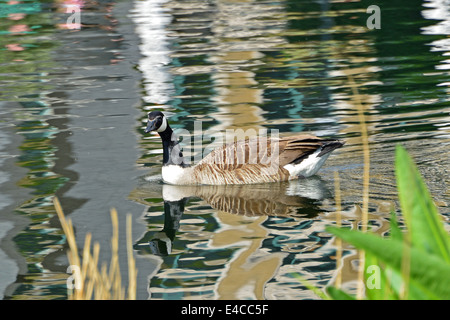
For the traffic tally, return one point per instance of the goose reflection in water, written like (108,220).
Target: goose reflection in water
(296,198)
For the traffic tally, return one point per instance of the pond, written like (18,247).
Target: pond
(74,102)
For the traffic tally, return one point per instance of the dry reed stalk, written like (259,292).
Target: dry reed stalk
(132,271)
(366,176)
(337,188)
(90,282)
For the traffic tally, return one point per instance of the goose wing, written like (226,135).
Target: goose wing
(264,151)
(299,147)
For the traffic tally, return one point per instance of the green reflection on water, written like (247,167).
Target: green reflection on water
(301,83)
(26,60)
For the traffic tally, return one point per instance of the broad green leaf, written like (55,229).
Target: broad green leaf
(375,280)
(428,272)
(425,226)
(396,233)
(415,290)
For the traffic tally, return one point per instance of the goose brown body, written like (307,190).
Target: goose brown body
(255,160)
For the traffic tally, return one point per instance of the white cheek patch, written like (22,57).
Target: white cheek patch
(163,126)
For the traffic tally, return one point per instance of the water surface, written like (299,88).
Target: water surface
(73,105)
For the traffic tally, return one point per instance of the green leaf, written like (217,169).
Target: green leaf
(428,273)
(378,281)
(425,226)
(338,294)
(310,286)
(385,283)
(396,233)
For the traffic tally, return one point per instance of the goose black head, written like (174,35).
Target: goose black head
(157,121)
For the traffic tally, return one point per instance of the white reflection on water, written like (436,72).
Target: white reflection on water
(151,21)
(439,10)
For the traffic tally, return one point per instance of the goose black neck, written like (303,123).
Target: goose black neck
(172,154)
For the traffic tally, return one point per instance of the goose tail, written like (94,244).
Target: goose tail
(308,165)
(330,146)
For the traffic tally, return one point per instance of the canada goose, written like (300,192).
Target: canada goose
(278,159)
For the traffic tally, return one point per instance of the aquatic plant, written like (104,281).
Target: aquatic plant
(90,282)
(409,264)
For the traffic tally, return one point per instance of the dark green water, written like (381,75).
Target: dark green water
(73,106)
